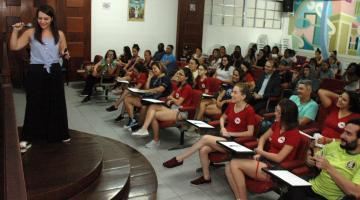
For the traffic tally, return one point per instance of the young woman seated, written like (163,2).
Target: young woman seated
(137,79)
(284,139)
(212,107)
(181,96)
(352,77)
(237,121)
(225,70)
(342,108)
(214,61)
(202,81)
(108,66)
(158,85)
(147,60)
(193,66)
(248,77)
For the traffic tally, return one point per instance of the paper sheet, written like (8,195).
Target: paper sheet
(120,80)
(207,95)
(199,124)
(136,90)
(290,178)
(307,135)
(153,100)
(236,147)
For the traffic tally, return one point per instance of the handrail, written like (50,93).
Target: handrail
(13,185)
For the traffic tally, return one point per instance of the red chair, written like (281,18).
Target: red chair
(218,157)
(334,85)
(195,102)
(214,85)
(264,186)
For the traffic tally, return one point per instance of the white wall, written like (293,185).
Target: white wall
(229,36)
(111,30)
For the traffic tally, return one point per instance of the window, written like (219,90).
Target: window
(248,13)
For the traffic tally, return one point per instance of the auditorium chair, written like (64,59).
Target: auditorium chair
(256,186)
(218,157)
(195,102)
(85,66)
(180,64)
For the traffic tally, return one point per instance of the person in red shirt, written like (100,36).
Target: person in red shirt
(181,96)
(248,78)
(202,81)
(240,118)
(284,139)
(342,108)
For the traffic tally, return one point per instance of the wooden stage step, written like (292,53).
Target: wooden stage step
(90,167)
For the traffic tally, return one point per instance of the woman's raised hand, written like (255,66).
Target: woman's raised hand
(18,26)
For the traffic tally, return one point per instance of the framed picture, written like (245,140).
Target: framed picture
(136,10)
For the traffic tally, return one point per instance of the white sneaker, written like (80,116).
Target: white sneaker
(152,144)
(24,146)
(141,132)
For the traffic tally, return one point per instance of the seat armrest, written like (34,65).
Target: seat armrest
(292,164)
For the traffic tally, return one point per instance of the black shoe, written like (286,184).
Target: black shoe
(86,99)
(84,93)
(119,118)
(111,108)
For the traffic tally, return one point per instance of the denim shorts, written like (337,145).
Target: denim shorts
(183,115)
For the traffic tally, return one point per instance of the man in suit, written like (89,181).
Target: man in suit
(268,85)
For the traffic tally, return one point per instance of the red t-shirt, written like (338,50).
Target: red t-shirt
(238,122)
(334,126)
(139,78)
(201,85)
(277,141)
(249,78)
(184,92)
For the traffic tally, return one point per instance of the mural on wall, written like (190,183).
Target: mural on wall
(136,10)
(327,25)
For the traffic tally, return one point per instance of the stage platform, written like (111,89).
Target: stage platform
(89,167)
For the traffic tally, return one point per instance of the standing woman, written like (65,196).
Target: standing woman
(45,115)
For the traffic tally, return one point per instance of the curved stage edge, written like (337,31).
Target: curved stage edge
(89,167)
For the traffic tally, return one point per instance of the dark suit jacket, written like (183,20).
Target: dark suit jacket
(273,87)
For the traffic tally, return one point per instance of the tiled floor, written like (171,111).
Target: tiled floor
(174,184)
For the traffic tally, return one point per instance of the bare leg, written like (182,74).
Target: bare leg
(130,102)
(231,181)
(150,115)
(162,115)
(203,104)
(212,110)
(142,114)
(204,160)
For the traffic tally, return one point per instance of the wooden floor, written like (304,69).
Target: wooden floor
(90,167)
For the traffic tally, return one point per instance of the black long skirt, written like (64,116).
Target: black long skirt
(45,114)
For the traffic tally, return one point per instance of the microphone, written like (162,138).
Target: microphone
(27,25)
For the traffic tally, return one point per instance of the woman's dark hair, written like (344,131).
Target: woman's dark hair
(48,10)
(199,48)
(136,46)
(241,74)
(110,50)
(245,90)
(161,47)
(147,51)
(275,48)
(160,66)
(127,53)
(354,101)
(289,114)
(248,66)
(140,67)
(318,50)
(188,75)
(222,66)
(196,61)
(267,50)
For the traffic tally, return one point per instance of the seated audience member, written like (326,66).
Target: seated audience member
(340,169)
(318,58)
(193,66)
(275,52)
(248,78)
(267,51)
(107,66)
(285,74)
(137,79)
(181,96)
(351,77)
(304,74)
(250,56)
(198,55)
(158,85)
(237,121)
(202,81)
(342,108)
(325,71)
(284,140)
(186,54)
(261,58)
(159,53)
(169,61)
(288,57)
(267,86)
(214,61)
(222,51)
(125,57)
(335,66)
(134,59)
(225,70)
(236,56)
(147,59)
(307,107)
(211,107)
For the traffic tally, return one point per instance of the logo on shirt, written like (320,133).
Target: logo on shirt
(341,125)
(237,120)
(351,164)
(177,95)
(281,139)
